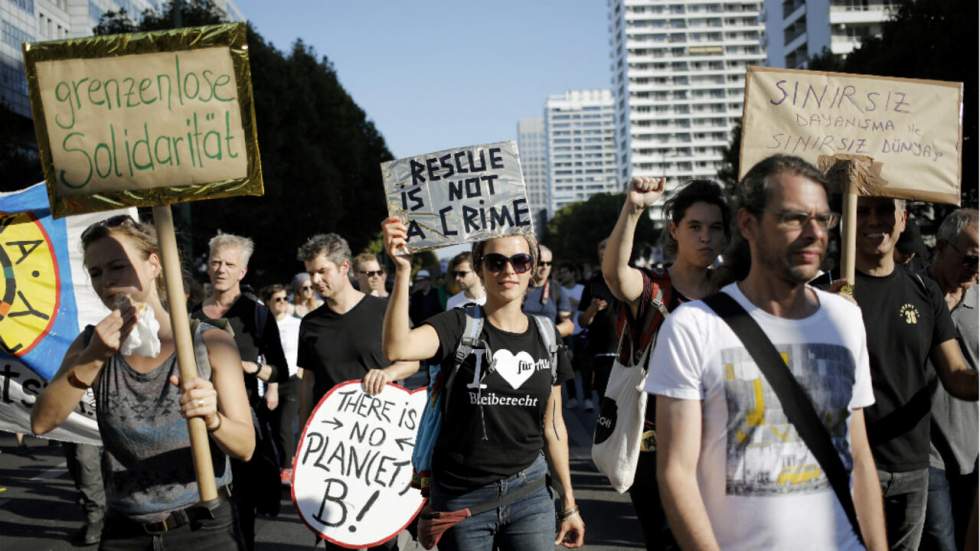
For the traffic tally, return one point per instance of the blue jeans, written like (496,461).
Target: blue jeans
(526,525)
(905,507)
(938,532)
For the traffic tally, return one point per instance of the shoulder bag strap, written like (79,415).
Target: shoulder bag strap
(796,404)
(546,328)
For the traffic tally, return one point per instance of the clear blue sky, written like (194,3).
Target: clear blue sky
(439,74)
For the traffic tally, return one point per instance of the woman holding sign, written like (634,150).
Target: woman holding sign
(504,416)
(129,362)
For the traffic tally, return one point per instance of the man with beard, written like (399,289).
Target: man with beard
(341,340)
(908,323)
(733,471)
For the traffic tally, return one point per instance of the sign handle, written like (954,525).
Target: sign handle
(163,219)
(849,234)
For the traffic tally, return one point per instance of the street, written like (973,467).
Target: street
(38,510)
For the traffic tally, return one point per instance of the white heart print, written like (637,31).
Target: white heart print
(514,369)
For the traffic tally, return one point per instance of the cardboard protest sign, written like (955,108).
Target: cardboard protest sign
(458,195)
(353,469)
(144,119)
(912,129)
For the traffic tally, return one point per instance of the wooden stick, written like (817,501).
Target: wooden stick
(849,236)
(163,219)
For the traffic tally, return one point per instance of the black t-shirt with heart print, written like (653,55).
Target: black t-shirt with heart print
(492,432)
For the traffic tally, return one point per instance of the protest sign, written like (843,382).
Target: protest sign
(910,128)
(458,195)
(144,119)
(352,471)
(46,301)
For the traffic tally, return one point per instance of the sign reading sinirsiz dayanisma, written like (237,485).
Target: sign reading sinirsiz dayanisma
(353,470)
(143,121)
(458,195)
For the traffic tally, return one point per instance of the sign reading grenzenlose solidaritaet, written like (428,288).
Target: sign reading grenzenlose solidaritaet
(912,127)
(144,119)
(458,195)
(353,468)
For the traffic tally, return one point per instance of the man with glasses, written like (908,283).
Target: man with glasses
(471,289)
(907,322)
(953,455)
(370,276)
(733,471)
(545,297)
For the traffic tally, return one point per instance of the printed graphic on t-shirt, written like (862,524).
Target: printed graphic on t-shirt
(514,369)
(765,455)
(909,313)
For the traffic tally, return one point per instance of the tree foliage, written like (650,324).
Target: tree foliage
(320,153)
(932,39)
(576,229)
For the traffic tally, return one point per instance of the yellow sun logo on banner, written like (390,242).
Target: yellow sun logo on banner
(30,290)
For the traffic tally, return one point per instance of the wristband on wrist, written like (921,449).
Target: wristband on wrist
(573,510)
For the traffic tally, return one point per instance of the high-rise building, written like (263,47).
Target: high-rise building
(799,29)
(580,128)
(38,20)
(678,69)
(533,148)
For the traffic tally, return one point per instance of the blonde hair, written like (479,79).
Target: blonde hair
(230,240)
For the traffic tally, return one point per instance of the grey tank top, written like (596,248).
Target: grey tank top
(147,467)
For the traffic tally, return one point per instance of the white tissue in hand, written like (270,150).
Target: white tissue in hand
(143,340)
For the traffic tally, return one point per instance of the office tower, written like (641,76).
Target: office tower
(678,71)
(799,29)
(580,129)
(533,149)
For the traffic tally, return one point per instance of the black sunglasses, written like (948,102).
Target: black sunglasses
(373,273)
(102,227)
(545,263)
(495,263)
(968,260)
(461,273)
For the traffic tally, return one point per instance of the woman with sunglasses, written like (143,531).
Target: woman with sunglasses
(141,404)
(305,299)
(504,426)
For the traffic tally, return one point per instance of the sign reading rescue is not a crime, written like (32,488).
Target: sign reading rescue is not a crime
(458,195)
(911,127)
(144,119)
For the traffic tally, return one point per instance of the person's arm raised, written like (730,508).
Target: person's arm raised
(79,370)
(399,341)
(626,282)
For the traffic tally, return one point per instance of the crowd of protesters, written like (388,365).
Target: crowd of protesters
(889,366)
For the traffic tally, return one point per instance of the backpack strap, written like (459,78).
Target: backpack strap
(546,328)
(471,337)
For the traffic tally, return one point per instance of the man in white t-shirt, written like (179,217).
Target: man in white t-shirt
(471,289)
(733,472)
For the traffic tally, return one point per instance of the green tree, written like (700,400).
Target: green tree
(576,229)
(320,153)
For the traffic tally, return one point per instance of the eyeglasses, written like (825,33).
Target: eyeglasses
(796,219)
(373,273)
(968,260)
(461,273)
(278,299)
(521,262)
(102,227)
(306,288)
(544,263)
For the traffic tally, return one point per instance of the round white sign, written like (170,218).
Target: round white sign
(353,469)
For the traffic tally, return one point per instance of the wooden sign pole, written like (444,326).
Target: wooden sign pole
(163,219)
(849,233)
